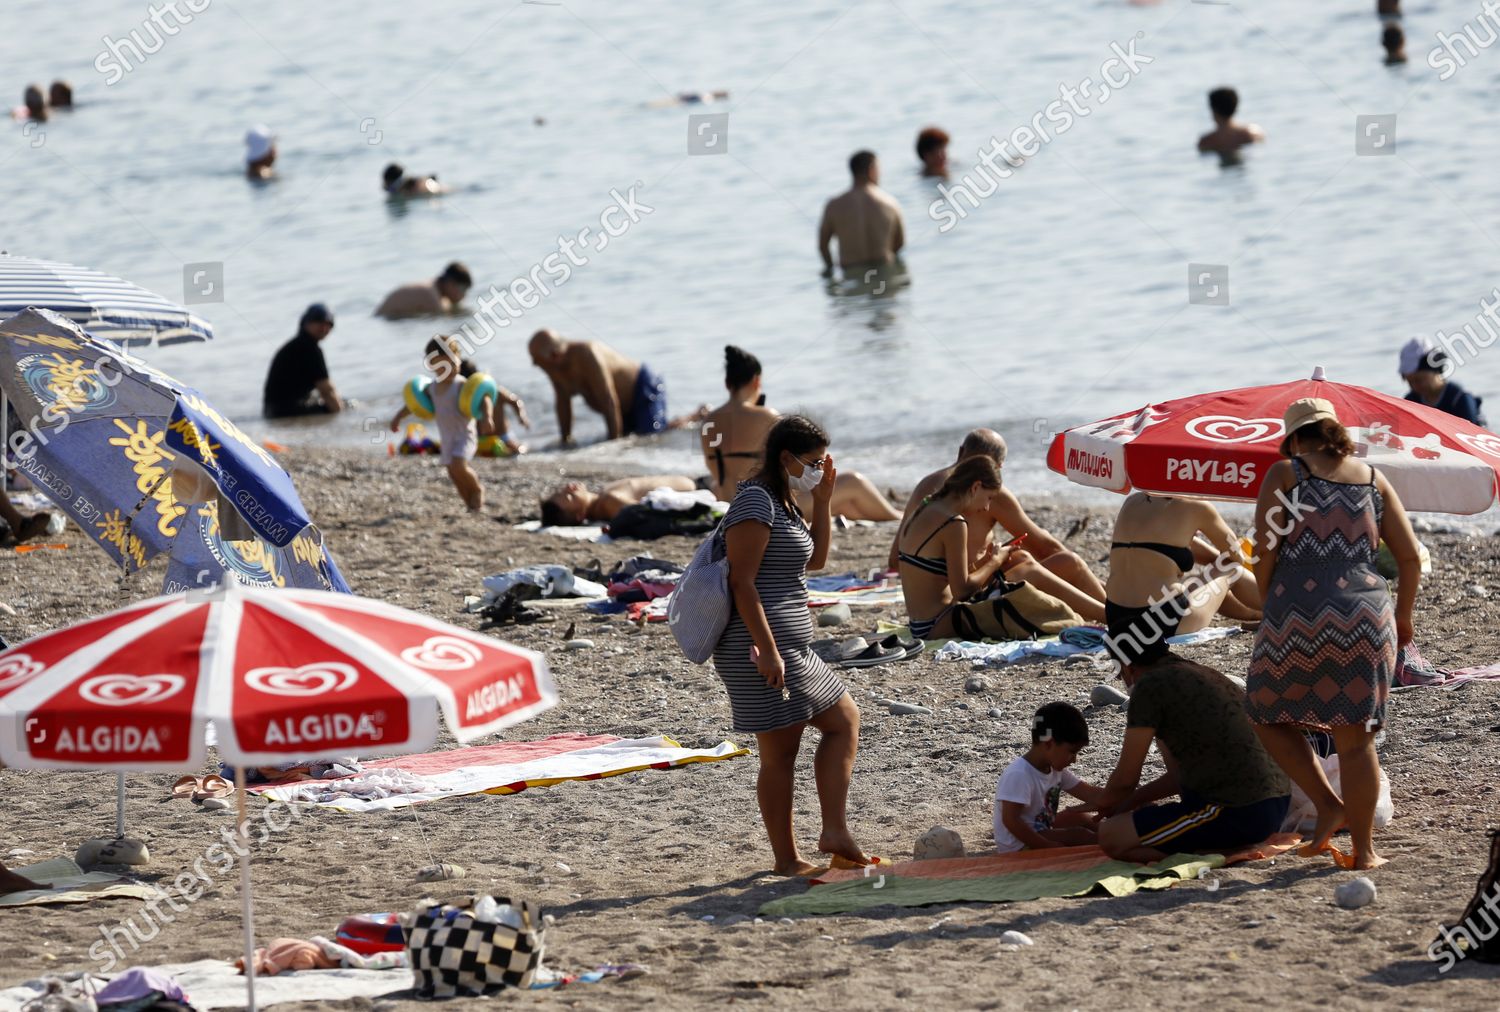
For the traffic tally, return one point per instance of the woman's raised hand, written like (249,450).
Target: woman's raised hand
(823,491)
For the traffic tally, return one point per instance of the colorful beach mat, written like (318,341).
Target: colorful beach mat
(1004,878)
(510,767)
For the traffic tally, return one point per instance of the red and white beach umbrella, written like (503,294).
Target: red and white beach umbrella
(283,675)
(1220,445)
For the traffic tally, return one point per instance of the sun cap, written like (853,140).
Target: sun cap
(258,142)
(1305,412)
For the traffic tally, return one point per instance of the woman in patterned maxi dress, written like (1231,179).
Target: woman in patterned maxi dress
(1326,648)
(777,686)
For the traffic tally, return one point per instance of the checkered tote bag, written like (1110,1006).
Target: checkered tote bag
(453,955)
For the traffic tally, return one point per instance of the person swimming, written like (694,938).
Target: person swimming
(1394,41)
(260,152)
(1227,136)
(932,151)
(398,184)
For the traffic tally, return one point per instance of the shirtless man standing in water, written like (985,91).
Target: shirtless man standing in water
(630,395)
(1227,136)
(866,221)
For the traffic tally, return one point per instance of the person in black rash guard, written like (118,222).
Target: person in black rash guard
(297,382)
(1423,367)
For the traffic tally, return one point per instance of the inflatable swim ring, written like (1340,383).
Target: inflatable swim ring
(475,389)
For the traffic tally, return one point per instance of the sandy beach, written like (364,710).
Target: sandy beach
(651,856)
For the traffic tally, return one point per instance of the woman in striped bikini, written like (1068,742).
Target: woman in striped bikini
(933,548)
(777,686)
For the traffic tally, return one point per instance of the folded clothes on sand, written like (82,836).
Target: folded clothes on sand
(997,878)
(510,767)
(71,884)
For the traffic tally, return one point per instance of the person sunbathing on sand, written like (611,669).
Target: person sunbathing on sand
(733,437)
(1044,562)
(1231,794)
(573,503)
(10,882)
(1156,588)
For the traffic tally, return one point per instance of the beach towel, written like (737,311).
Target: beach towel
(581,532)
(71,884)
(1003,878)
(1071,643)
(1413,671)
(511,767)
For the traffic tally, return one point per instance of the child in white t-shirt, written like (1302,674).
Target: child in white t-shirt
(1027,796)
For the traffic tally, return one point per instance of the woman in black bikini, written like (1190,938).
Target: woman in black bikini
(933,548)
(733,438)
(1155,558)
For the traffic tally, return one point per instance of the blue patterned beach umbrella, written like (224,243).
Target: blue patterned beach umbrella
(147,467)
(105,306)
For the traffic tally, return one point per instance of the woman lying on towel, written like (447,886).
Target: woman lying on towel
(1164,579)
(572,503)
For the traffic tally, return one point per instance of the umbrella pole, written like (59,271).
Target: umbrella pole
(247,908)
(119,806)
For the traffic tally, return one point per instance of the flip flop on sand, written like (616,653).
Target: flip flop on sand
(859,653)
(213,786)
(186,787)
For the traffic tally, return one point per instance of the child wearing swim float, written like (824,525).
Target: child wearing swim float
(1029,790)
(440,400)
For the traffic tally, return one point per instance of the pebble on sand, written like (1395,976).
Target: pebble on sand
(905,708)
(1015,938)
(1107,695)
(976,684)
(439,872)
(1354,894)
(995,712)
(938,842)
(834,614)
(579,645)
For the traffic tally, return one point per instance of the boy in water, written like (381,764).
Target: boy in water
(1227,136)
(456,431)
(1027,796)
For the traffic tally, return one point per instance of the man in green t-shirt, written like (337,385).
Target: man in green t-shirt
(1231,794)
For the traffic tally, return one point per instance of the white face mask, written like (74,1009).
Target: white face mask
(807,480)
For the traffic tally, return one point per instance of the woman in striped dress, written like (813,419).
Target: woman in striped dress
(1326,648)
(777,686)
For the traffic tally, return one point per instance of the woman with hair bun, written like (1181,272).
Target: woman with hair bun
(734,435)
(1326,647)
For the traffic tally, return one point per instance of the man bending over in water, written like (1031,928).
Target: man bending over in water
(1044,563)
(629,394)
(572,503)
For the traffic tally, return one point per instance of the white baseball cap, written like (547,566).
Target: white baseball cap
(1412,354)
(259,140)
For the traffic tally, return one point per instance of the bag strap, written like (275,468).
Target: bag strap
(1015,616)
(964,622)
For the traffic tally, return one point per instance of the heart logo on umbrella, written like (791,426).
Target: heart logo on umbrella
(1485,443)
(130,690)
(1229,429)
(443,653)
(18,669)
(308,680)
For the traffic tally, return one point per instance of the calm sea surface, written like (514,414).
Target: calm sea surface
(1062,298)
